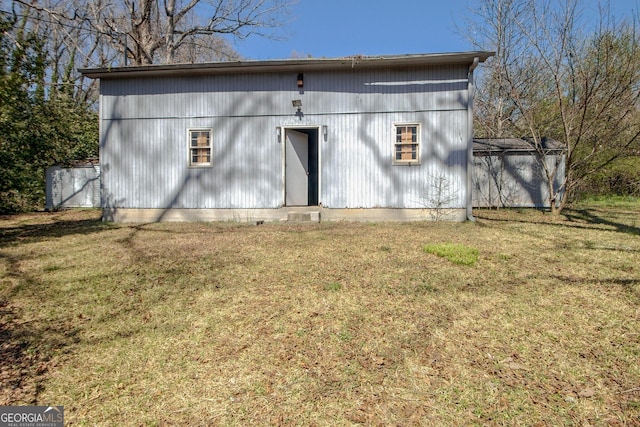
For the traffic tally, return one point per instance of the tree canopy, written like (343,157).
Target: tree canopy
(48,111)
(558,75)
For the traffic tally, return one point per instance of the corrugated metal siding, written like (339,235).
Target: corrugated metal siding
(270,94)
(145,123)
(513,181)
(151,171)
(358,171)
(77,187)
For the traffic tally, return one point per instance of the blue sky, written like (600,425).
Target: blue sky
(336,28)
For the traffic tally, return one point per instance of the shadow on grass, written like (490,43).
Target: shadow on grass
(54,228)
(570,218)
(28,348)
(631,286)
(591,217)
(581,281)
(27,351)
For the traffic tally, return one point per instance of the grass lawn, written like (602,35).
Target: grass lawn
(325,324)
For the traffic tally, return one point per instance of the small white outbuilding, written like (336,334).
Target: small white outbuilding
(508,172)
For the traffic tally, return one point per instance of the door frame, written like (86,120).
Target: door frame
(318,132)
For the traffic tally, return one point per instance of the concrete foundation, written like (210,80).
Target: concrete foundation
(294,214)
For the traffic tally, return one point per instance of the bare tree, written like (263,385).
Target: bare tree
(552,77)
(102,33)
(150,31)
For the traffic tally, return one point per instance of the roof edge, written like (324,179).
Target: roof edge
(307,64)
(489,146)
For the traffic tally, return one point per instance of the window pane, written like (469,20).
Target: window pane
(407,134)
(406,147)
(200,147)
(407,152)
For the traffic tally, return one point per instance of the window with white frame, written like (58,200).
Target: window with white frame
(200,147)
(407,144)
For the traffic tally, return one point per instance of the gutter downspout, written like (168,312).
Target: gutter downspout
(471,94)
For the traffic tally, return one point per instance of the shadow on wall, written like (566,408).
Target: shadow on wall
(374,82)
(514,180)
(145,153)
(152,170)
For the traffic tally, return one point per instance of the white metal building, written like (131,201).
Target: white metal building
(508,172)
(368,138)
(73,186)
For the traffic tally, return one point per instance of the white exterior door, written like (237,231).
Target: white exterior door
(296,168)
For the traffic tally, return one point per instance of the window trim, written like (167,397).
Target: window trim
(411,162)
(190,148)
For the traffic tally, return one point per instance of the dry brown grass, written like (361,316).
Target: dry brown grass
(329,324)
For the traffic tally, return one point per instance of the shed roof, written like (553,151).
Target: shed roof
(489,146)
(297,65)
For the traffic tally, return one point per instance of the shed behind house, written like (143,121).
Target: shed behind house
(507,172)
(73,186)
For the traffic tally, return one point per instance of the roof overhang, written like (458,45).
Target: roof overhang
(497,146)
(283,65)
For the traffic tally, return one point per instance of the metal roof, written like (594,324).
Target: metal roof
(488,146)
(298,65)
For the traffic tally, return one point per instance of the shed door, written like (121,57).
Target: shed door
(296,168)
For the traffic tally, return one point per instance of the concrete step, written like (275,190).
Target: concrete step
(303,216)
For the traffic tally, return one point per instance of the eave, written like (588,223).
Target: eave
(288,65)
